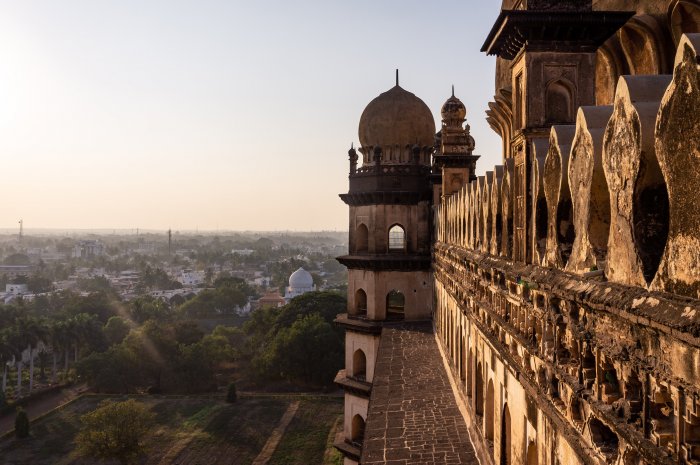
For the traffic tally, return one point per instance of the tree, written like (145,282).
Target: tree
(115,430)
(116,330)
(21,424)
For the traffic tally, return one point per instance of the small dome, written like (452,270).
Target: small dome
(397,117)
(301,279)
(453,109)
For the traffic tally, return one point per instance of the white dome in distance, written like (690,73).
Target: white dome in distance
(301,279)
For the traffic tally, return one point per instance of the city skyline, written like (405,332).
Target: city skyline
(215,116)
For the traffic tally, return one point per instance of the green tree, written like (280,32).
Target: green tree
(115,431)
(309,352)
(21,424)
(116,330)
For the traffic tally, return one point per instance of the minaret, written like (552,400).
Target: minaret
(454,164)
(389,277)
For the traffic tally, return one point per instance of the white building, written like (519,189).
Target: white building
(300,282)
(191,278)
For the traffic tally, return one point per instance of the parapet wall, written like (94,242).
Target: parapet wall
(589,350)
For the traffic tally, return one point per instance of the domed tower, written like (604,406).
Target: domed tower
(454,164)
(389,277)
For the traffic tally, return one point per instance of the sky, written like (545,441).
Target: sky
(215,115)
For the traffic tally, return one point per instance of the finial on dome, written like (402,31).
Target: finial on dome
(397,76)
(453,90)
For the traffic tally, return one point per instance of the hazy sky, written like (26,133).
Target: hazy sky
(215,114)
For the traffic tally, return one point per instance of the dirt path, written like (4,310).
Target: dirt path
(41,406)
(274,439)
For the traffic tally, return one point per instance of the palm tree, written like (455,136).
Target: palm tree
(6,355)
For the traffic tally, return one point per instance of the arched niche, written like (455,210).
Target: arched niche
(684,18)
(559,101)
(360,302)
(361,239)
(610,65)
(359,364)
(506,439)
(532,458)
(395,305)
(357,432)
(489,420)
(479,388)
(397,238)
(642,41)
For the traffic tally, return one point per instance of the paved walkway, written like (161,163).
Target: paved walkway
(413,414)
(42,405)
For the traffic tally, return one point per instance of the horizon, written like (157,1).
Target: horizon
(219,115)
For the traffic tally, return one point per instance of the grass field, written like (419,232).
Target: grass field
(193,431)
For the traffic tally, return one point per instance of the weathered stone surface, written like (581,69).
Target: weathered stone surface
(678,152)
(413,415)
(589,190)
(496,209)
(556,190)
(478,195)
(487,222)
(538,221)
(637,190)
(507,208)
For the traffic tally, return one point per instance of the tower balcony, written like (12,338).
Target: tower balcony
(389,184)
(386,262)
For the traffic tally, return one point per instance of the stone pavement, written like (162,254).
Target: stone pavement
(413,414)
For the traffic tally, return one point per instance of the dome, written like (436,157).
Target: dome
(397,117)
(453,109)
(301,279)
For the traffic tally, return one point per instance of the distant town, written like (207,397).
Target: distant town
(170,266)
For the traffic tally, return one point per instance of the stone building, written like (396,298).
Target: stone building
(547,312)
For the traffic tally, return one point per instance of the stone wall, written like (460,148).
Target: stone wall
(587,351)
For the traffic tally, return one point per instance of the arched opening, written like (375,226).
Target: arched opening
(395,303)
(489,413)
(360,302)
(559,102)
(397,239)
(361,239)
(462,358)
(358,429)
(470,363)
(479,397)
(506,449)
(359,365)
(605,440)
(685,18)
(642,51)
(532,453)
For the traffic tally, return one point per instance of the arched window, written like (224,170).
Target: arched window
(359,365)
(360,302)
(358,429)
(361,239)
(397,239)
(395,302)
